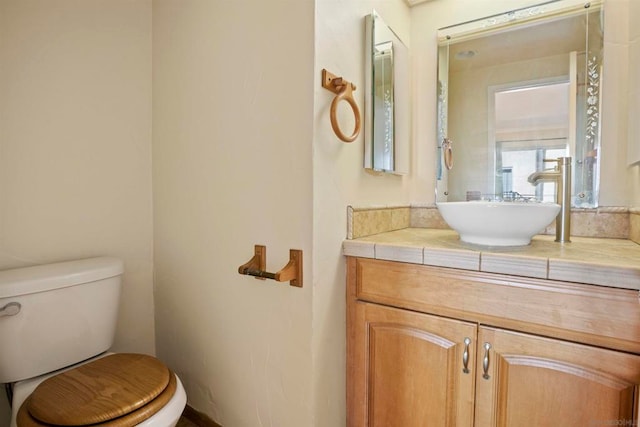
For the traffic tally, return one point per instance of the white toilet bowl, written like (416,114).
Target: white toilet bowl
(57,322)
(167,416)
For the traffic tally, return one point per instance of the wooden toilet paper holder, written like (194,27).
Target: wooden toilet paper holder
(291,272)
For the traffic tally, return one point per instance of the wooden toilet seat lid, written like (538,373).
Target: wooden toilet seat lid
(100,391)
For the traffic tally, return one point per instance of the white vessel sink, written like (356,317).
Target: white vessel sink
(498,223)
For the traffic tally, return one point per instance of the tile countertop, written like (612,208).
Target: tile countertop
(596,261)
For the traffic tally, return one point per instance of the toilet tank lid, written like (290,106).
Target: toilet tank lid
(39,278)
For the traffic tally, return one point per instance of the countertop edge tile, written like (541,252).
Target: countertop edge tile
(603,275)
(514,264)
(358,249)
(452,258)
(400,253)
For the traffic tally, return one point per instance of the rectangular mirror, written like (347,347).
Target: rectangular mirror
(386,129)
(517,89)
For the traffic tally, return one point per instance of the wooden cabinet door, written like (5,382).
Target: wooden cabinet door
(538,382)
(406,369)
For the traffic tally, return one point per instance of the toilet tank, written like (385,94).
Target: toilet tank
(55,315)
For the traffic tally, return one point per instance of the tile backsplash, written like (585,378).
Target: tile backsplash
(607,222)
(367,221)
(611,222)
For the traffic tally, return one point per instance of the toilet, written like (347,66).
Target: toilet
(57,323)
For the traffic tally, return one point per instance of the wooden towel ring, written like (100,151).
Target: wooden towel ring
(344,91)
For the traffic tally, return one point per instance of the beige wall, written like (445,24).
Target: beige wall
(633,176)
(238,160)
(75,142)
(232,167)
(615,188)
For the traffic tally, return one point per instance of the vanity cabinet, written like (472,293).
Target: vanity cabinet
(431,346)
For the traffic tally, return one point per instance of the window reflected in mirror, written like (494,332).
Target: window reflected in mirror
(530,124)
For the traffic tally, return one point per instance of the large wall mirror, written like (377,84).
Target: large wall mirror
(386,129)
(515,90)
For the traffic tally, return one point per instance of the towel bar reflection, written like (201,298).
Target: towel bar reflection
(291,272)
(344,91)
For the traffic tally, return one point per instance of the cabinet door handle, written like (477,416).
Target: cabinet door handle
(485,361)
(465,356)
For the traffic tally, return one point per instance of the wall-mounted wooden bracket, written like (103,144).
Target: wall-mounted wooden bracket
(257,263)
(291,272)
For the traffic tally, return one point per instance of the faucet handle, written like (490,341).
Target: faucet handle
(556,161)
(560,161)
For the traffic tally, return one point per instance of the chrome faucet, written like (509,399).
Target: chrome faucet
(561,175)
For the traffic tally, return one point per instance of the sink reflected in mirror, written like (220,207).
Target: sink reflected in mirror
(498,223)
